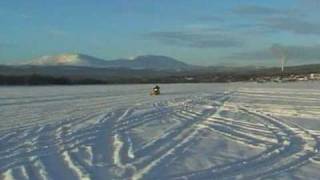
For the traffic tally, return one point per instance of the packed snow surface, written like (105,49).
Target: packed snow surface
(190,131)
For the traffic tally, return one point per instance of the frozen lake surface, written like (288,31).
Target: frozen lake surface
(191,131)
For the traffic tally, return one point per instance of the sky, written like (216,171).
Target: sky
(201,32)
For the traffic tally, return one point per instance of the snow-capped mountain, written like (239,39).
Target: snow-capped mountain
(140,62)
(69,60)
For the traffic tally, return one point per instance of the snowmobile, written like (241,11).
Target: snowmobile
(155,91)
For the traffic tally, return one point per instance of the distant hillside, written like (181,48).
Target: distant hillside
(309,68)
(68,60)
(52,74)
(75,72)
(150,62)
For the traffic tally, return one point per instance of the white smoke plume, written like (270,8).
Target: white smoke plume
(280,52)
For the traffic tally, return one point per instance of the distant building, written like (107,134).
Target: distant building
(301,78)
(314,76)
(189,78)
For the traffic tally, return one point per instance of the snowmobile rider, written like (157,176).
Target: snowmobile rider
(155,90)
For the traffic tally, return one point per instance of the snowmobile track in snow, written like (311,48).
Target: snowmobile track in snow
(295,147)
(110,146)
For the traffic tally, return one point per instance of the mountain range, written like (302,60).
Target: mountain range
(83,69)
(151,62)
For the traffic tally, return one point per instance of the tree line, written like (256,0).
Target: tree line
(36,79)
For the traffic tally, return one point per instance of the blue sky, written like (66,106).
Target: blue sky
(204,32)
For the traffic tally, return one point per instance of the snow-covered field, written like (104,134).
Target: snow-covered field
(191,131)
